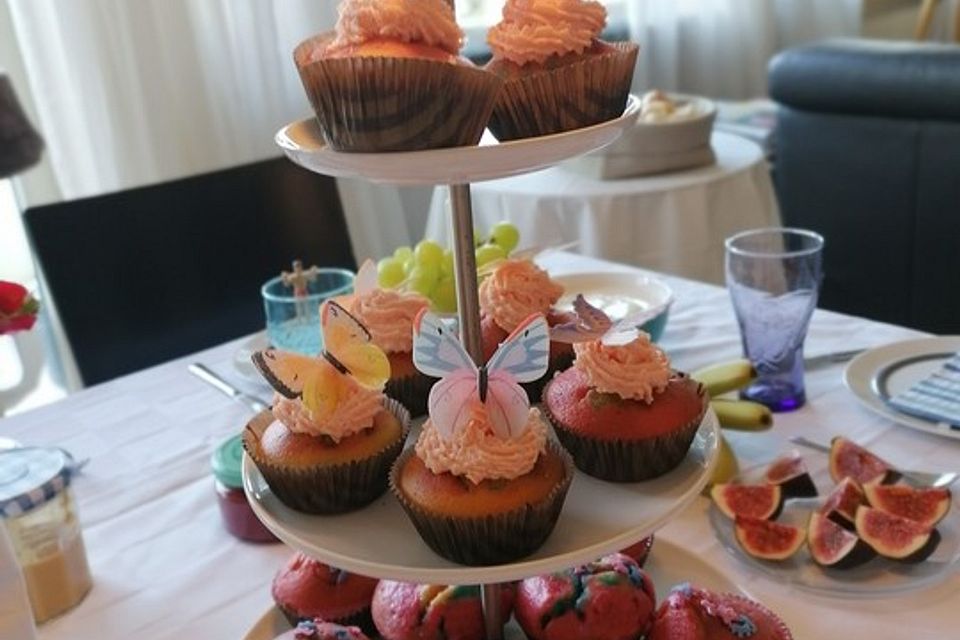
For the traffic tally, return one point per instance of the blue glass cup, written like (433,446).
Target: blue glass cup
(774,276)
(293,323)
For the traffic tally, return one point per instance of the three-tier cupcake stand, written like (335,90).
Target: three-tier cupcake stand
(598,517)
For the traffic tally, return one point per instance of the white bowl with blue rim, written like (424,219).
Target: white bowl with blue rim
(621,294)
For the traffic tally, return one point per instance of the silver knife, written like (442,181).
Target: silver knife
(204,373)
(831,358)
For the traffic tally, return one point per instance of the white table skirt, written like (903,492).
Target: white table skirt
(165,569)
(673,223)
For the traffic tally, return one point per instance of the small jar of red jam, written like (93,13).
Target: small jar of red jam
(238,516)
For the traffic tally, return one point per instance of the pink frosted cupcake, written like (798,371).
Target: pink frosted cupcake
(609,599)
(391,78)
(508,296)
(622,412)
(691,613)
(320,630)
(558,74)
(484,484)
(388,315)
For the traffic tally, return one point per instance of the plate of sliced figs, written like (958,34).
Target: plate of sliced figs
(843,524)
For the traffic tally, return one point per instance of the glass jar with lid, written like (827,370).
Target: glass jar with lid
(40,516)
(238,517)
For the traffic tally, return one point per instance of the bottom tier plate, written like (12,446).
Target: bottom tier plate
(598,518)
(668,565)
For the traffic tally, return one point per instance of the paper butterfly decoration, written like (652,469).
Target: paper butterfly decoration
(366,280)
(593,324)
(522,357)
(322,381)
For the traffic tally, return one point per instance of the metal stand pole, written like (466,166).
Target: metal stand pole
(465,271)
(468,305)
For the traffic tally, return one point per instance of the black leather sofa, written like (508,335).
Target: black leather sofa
(868,154)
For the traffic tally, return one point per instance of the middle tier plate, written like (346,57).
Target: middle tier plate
(304,144)
(598,518)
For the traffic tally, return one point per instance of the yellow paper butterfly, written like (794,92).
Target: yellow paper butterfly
(322,381)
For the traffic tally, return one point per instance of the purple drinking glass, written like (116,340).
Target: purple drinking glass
(774,277)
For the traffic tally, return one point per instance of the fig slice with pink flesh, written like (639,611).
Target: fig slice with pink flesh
(895,537)
(833,546)
(789,472)
(763,501)
(927,506)
(842,503)
(768,540)
(850,460)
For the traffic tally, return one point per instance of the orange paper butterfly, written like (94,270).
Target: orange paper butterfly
(322,381)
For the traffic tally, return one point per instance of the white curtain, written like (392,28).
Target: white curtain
(134,92)
(721,48)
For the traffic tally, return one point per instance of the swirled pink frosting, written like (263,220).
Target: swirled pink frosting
(634,371)
(429,22)
(388,316)
(354,413)
(476,453)
(534,30)
(516,289)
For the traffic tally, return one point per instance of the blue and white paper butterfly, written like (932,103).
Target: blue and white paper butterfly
(522,357)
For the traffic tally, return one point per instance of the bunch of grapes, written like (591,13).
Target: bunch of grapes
(428,267)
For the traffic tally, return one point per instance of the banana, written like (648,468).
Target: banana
(727,466)
(727,376)
(742,415)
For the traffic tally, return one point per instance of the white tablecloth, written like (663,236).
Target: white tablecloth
(673,223)
(165,569)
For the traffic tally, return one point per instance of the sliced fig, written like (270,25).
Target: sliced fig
(768,540)
(850,460)
(926,506)
(833,546)
(842,503)
(789,472)
(896,537)
(763,501)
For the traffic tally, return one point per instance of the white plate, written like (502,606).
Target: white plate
(668,565)
(884,371)
(617,294)
(304,144)
(241,358)
(877,577)
(598,517)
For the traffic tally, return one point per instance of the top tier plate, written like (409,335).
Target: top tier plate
(303,143)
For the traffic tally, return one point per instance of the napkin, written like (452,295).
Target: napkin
(936,397)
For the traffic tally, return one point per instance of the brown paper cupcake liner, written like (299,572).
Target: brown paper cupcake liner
(628,460)
(362,619)
(371,104)
(492,539)
(572,96)
(328,489)
(412,392)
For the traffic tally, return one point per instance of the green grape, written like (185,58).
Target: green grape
(446,265)
(488,253)
(408,266)
(390,273)
(423,278)
(505,235)
(403,253)
(445,296)
(428,252)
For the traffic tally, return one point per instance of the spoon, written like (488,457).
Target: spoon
(916,478)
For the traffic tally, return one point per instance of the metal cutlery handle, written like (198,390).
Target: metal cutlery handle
(207,375)
(810,444)
(204,373)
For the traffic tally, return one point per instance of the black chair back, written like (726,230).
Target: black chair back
(150,274)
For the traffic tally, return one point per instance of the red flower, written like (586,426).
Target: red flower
(18,309)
